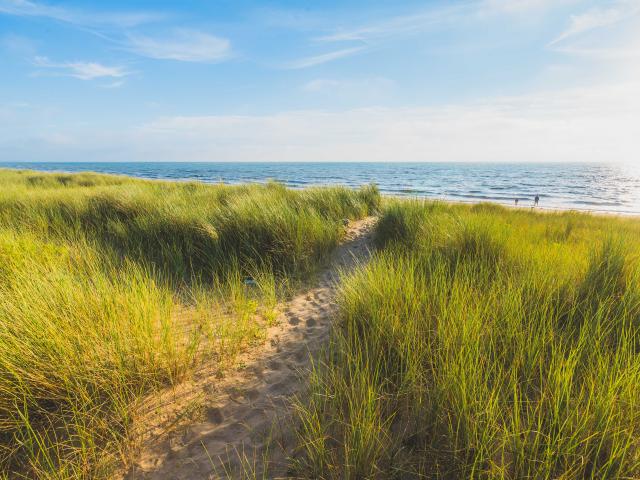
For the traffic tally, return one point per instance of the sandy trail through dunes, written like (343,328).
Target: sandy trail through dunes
(245,420)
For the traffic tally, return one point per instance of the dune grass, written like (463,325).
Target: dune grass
(482,342)
(184,229)
(112,288)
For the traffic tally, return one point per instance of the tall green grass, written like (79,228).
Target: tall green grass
(113,288)
(184,229)
(482,342)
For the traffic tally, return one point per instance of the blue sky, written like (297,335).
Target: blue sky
(473,80)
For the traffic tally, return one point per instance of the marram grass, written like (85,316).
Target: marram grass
(112,288)
(184,229)
(482,342)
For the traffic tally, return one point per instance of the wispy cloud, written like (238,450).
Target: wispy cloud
(621,53)
(353,89)
(323,58)
(404,24)
(26,8)
(322,84)
(598,18)
(81,70)
(589,124)
(183,45)
(112,85)
(567,125)
(439,15)
(520,6)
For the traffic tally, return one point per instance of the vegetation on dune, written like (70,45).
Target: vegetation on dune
(479,342)
(184,229)
(96,273)
(482,342)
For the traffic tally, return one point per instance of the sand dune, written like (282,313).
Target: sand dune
(245,423)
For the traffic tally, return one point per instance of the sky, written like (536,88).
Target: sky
(358,80)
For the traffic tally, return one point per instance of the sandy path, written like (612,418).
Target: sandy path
(245,417)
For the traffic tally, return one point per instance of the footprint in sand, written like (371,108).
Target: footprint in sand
(274,364)
(301,354)
(214,415)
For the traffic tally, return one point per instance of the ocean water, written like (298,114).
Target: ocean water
(596,187)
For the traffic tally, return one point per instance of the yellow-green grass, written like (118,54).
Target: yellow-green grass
(96,274)
(184,229)
(482,342)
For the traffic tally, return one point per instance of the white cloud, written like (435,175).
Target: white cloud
(112,85)
(323,58)
(598,18)
(598,124)
(355,89)
(607,39)
(521,6)
(404,24)
(594,124)
(620,53)
(82,70)
(451,14)
(26,8)
(322,84)
(182,45)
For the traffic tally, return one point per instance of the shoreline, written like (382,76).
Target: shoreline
(543,209)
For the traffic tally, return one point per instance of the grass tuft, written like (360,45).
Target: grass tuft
(477,344)
(113,288)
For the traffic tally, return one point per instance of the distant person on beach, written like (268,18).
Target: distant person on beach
(517,201)
(536,200)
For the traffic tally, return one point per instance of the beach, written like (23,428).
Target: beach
(187,330)
(572,186)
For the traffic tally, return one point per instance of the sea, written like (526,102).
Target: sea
(572,186)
